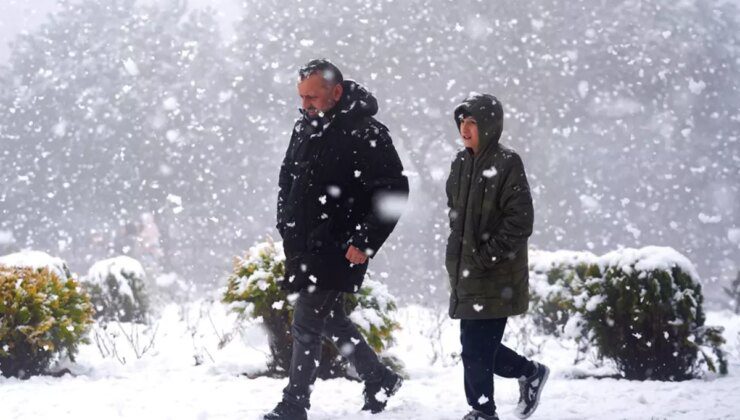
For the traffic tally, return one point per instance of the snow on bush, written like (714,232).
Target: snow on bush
(370,309)
(117,291)
(43,316)
(254,293)
(645,313)
(556,279)
(641,308)
(37,260)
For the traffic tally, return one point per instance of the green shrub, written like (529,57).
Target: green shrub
(641,308)
(556,280)
(645,313)
(253,292)
(117,291)
(370,310)
(42,317)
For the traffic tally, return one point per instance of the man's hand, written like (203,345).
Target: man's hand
(355,256)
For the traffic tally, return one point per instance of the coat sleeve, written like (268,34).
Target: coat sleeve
(515,226)
(451,188)
(380,172)
(285,181)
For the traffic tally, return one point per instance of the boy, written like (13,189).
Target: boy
(491,217)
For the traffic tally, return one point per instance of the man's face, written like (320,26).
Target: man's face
(317,95)
(469,133)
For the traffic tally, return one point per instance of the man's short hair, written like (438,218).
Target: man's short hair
(326,68)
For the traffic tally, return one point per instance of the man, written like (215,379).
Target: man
(340,185)
(491,217)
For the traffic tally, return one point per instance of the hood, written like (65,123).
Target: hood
(356,102)
(488,113)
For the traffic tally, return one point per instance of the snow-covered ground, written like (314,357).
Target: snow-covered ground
(165,383)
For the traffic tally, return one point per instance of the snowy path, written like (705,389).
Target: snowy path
(427,395)
(166,386)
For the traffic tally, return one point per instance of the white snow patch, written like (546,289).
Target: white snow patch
(709,219)
(589,203)
(633,230)
(390,206)
(130,66)
(36,260)
(60,128)
(165,383)
(733,235)
(490,172)
(649,258)
(170,103)
(696,86)
(174,199)
(334,191)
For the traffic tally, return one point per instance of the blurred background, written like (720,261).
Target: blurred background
(156,128)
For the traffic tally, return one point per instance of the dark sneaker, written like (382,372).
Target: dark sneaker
(286,411)
(530,389)
(377,393)
(477,415)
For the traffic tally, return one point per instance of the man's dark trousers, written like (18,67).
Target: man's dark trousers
(482,356)
(321,313)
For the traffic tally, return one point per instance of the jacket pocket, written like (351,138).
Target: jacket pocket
(472,287)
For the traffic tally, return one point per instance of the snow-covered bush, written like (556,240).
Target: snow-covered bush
(37,260)
(43,316)
(253,292)
(556,279)
(644,312)
(370,310)
(117,291)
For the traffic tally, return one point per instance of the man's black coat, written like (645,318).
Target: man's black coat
(341,184)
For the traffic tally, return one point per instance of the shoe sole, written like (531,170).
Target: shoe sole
(537,398)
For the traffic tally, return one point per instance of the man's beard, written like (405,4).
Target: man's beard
(319,119)
(319,114)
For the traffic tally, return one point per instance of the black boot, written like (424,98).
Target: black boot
(286,411)
(477,415)
(530,390)
(377,393)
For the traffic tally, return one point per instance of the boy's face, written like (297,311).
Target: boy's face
(469,133)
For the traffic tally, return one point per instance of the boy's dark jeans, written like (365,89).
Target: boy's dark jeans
(482,356)
(321,313)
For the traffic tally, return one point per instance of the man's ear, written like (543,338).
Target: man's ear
(337,91)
